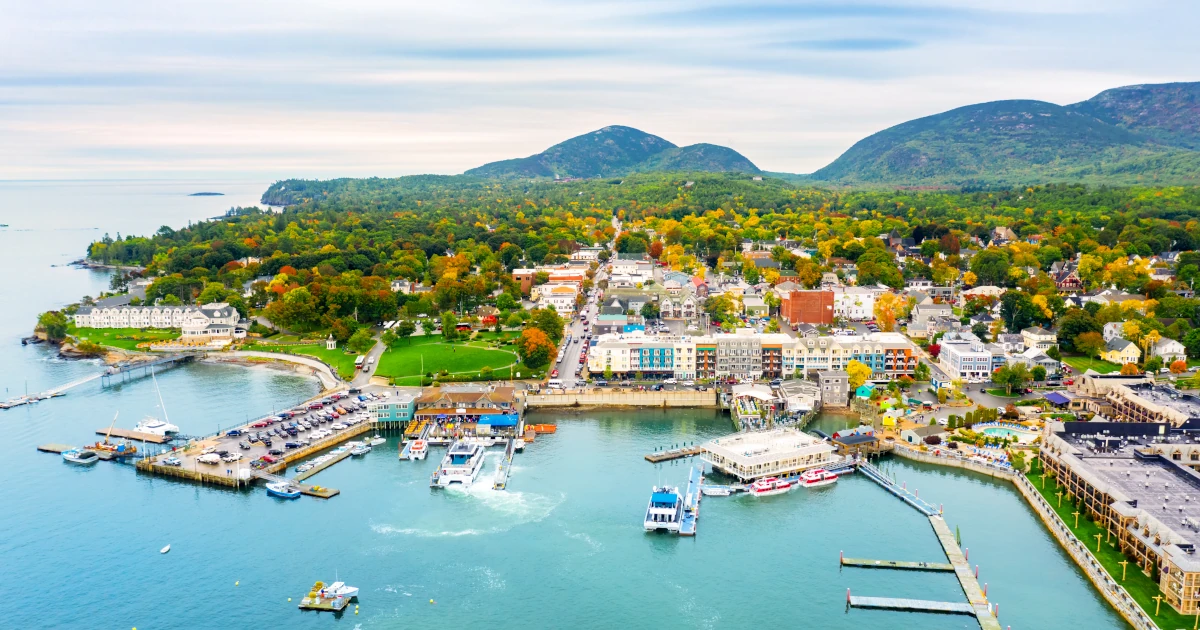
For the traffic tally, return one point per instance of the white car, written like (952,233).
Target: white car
(689,383)
(337,426)
(232,457)
(670,381)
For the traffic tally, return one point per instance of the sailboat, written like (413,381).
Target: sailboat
(152,425)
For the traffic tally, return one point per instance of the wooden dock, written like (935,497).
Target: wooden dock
(323,465)
(54,448)
(897,564)
(675,453)
(320,492)
(134,435)
(965,575)
(911,605)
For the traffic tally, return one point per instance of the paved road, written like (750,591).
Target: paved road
(566,368)
(370,364)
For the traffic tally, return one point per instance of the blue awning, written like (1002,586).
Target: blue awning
(665,498)
(441,415)
(498,419)
(1057,398)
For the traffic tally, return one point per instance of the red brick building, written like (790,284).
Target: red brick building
(807,307)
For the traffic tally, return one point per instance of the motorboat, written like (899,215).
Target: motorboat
(770,486)
(80,456)
(341,589)
(282,490)
(165,549)
(418,450)
(360,450)
(665,510)
(817,477)
(460,466)
(154,426)
(376,440)
(716,491)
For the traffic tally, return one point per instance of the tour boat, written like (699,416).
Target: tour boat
(817,477)
(665,510)
(80,456)
(154,426)
(282,490)
(461,465)
(418,450)
(376,440)
(769,486)
(361,449)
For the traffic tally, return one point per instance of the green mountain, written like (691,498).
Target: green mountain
(1140,134)
(616,151)
(1167,112)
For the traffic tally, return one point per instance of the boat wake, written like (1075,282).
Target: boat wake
(595,545)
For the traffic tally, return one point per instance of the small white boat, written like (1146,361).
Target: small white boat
(716,491)
(282,490)
(418,450)
(360,450)
(80,456)
(165,549)
(341,589)
(377,440)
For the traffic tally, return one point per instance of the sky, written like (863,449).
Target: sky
(268,89)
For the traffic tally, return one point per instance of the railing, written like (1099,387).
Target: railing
(1113,592)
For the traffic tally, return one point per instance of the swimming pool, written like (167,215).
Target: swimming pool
(1004,432)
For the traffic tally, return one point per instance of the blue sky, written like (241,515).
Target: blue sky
(271,89)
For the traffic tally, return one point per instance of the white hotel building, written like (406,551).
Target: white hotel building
(213,321)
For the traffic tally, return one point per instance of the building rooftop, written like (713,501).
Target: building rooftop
(1167,396)
(765,448)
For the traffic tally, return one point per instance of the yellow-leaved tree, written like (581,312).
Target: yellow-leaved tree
(859,373)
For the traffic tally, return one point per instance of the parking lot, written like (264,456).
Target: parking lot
(316,422)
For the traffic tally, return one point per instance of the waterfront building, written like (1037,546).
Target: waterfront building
(835,388)
(1147,401)
(800,396)
(396,408)
(217,320)
(452,404)
(1134,481)
(781,452)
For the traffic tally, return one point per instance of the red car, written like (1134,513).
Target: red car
(553,373)
(260,424)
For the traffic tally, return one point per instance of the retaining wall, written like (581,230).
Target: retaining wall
(908,453)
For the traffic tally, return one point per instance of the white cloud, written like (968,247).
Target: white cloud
(281,89)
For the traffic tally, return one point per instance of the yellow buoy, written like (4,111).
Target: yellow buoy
(431,601)
(289,599)
(238,582)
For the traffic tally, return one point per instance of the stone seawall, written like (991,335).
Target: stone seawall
(908,453)
(613,398)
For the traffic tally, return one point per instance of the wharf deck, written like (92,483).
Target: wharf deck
(897,564)
(323,465)
(691,503)
(322,604)
(128,434)
(320,492)
(911,605)
(54,448)
(675,453)
(501,482)
(966,577)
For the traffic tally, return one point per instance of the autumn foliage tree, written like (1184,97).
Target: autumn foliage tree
(1130,369)
(1178,367)
(656,249)
(887,308)
(535,347)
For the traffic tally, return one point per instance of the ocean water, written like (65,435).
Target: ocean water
(563,547)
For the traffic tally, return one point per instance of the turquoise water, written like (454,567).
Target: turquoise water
(1002,432)
(563,547)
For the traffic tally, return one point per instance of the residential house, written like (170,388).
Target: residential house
(854,303)
(1038,337)
(1114,330)
(925,319)
(754,306)
(1121,351)
(1169,350)
(1035,357)
(1003,234)
(1011,342)
(918,435)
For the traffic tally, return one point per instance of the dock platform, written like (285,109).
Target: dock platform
(323,465)
(134,435)
(911,605)
(675,453)
(505,470)
(897,564)
(691,503)
(320,492)
(54,448)
(966,576)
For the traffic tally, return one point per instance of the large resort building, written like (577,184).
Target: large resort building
(1137,480)
(775,453)
(207,322)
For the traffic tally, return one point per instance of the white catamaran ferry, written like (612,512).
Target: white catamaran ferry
(665,510)
(461,465)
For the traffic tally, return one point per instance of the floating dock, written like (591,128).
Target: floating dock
(505,466)
(675,453)
(900,492)
(55,448)
(320,492)
(314,601)
(691,503)
(323,465)
(897,564)
(134,435)
(910,605)
(966,577)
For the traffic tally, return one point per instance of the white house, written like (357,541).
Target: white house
(1114,330)
(1169,349)
(1038,337)
(964,356)
(560,296)
(854,303)
(216,320)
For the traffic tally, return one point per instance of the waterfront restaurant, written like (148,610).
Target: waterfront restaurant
(1133,478)
(774,453)
(461,410)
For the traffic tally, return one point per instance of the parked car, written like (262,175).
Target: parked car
(276,452)
(671,381)
(233,433)
(172,461)
(244,445)
(292,445)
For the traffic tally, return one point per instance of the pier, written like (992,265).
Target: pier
(900,492)
(128,372)
(675,453)
(505,470)
(320,492)
(134,435)
(900,565)
(691,503)
(909,605)
(966,576)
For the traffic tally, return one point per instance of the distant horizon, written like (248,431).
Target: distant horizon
(373,89)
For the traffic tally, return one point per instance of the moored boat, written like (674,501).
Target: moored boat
(418,450)
(716,491)
(154,426)
(770,486)
(665,510)
(282,490)
(376,440)
(817,477)
(80,456)
(460,466)
(360,450)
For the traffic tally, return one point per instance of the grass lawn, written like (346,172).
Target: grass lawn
(434,354)
(1140,587)
(491,335)
(123,338)
(342,362)
(1003,393)
(1085,363)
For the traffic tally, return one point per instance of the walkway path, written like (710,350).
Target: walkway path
(328,376)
